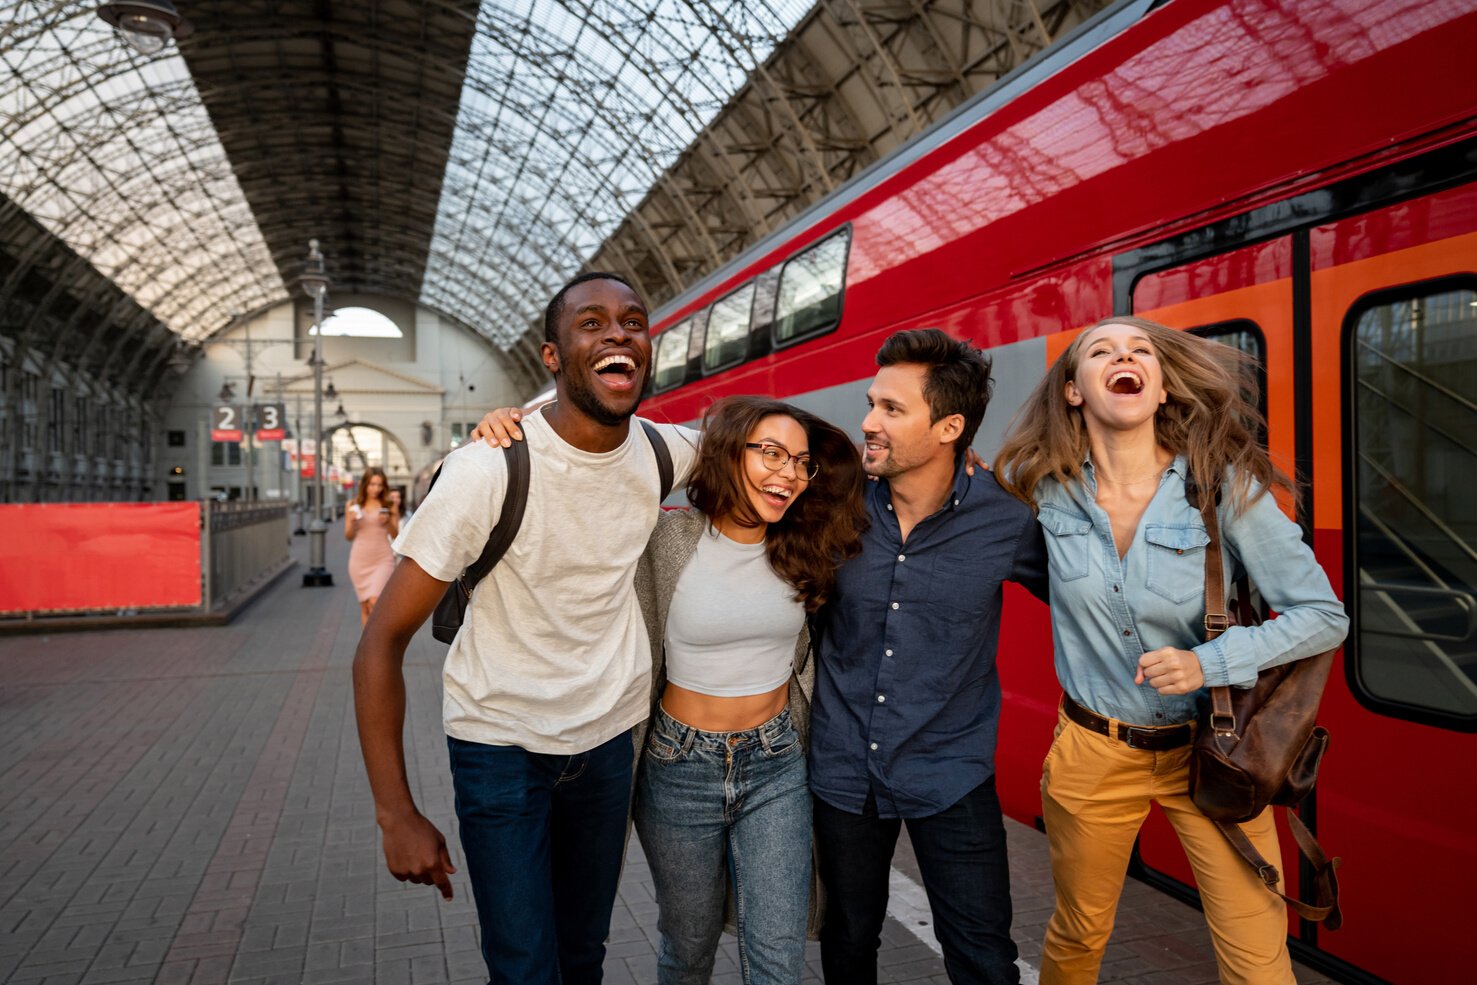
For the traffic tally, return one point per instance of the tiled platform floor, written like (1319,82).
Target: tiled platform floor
(188,806)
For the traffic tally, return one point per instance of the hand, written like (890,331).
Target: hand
(1170,671)
(415,851)
(973,461)
(499,426)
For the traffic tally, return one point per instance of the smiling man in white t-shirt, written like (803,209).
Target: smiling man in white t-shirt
(551,667)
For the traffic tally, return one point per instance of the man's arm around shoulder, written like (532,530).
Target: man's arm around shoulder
(414,849)
(1029,565)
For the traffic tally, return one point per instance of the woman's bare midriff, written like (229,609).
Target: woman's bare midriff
(710,714)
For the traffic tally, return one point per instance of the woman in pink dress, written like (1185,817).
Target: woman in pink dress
(372,519)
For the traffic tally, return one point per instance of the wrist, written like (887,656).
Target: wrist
(394,816)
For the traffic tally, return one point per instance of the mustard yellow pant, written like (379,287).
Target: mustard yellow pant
(1095,794)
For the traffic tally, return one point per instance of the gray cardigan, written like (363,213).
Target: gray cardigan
(671,546)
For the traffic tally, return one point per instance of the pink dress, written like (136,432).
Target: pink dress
(370,559)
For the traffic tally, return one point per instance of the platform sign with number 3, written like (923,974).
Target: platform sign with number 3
(269,422)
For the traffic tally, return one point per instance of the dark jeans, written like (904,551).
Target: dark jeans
(961,855)
(543,837)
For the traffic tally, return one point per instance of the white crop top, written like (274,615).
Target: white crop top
(733,622)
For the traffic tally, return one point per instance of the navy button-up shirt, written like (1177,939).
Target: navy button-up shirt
(907,699)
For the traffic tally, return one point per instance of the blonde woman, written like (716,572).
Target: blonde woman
(1129,416)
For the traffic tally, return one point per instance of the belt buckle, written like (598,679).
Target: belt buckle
(1145,738)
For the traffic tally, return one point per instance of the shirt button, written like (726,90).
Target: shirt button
(894,605)
(873,747)
(1179,552)
(888,652)
(881,699)
(902,557)
(1115,588)
(889,507)
(1128,632)
(1158,714)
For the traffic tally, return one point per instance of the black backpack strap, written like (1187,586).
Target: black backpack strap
(515,501)
(663,457)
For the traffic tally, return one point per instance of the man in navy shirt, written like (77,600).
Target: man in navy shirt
(907,699)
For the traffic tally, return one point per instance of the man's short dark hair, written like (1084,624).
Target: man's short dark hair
(957,378)
(556,306)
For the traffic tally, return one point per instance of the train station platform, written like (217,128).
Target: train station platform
(189,806)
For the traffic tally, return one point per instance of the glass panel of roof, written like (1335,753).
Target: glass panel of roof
(115,155)
(570,112)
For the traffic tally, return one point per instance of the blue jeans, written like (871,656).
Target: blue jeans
(543,837)
(710,804)
(961,856)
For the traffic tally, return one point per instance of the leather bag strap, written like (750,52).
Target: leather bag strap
(1222,720)
(1325,882)
(1216,619)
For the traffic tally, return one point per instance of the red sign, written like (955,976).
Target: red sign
(309,464)
(71,556)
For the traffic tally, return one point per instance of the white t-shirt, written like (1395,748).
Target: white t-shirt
(553,653)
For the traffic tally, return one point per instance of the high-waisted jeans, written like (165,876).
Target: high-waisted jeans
(720,808)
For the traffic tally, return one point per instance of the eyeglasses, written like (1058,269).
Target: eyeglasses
(775,458)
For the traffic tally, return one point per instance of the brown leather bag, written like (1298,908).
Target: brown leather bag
(1260,746)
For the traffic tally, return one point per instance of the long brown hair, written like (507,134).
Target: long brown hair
(821,528)
(1209,416)
(362,495)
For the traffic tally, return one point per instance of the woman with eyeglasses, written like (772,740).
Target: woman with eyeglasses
(723,801)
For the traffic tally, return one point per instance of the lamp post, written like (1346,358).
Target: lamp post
(315,284)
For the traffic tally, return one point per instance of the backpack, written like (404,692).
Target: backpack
(1261,746)
(452,609)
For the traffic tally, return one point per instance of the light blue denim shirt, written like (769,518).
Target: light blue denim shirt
(1107,612)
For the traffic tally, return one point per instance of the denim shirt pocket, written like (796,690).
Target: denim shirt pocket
(1176,565)
(1068,542)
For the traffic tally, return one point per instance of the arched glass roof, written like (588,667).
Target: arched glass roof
(570,113)
(468,157)
(115,155)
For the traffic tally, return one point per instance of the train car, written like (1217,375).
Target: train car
(1298,179)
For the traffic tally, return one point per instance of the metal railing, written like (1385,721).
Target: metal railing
(242,543)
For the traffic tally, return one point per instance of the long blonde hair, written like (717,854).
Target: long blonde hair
(1209,415)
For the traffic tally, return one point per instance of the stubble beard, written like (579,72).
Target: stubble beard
(579,393)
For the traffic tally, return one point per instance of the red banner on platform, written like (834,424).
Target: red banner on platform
(68,557)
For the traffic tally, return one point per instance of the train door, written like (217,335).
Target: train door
(1367,328)
(1393,347)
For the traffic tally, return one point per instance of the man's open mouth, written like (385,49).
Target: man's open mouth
(1125,381)
(617,371)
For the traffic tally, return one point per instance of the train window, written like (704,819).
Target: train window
(728,330)
(810,291)
(1246,335)
(671,355)
(1412,360)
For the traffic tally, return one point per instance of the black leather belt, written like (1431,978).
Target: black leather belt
(1145,737)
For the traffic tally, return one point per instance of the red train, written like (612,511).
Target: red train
(1296,178)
